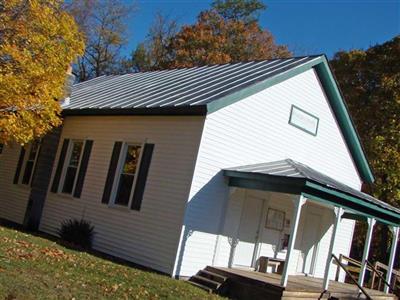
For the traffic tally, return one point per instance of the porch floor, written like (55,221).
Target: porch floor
(297,287)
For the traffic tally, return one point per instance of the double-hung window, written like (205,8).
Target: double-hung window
(31,162)
(71,169)
(127,175)
(73,159)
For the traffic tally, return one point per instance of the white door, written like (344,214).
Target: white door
(248,232)
(309,244)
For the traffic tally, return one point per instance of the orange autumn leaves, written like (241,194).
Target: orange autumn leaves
(229,31)
(216,40)
(38,41)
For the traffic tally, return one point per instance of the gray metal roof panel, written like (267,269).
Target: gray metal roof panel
(177,87)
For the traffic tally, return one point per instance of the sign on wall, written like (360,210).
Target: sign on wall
(303,120)
(275,219)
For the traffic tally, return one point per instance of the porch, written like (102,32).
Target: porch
(305,230)
(245,284)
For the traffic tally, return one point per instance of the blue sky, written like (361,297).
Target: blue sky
(306,26)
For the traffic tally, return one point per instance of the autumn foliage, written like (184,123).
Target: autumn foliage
(227,32)
(370,81)
(216,40)
(38,42)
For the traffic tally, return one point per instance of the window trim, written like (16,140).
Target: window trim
(121,162)
(26,160)
(66,165)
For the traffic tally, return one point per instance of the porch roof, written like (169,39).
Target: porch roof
(289,176)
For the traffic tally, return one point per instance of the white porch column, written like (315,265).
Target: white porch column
(298,203)
(338,215)
(395,231)
(371,224)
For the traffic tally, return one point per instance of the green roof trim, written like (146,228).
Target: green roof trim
(338,105)
(345,122)
(262,85)
(353,203)
(312,190)
(361,216)
(356,217)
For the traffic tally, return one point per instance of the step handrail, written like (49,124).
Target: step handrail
(351,277)
(379,275)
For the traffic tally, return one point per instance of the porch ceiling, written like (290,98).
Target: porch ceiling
(288,176)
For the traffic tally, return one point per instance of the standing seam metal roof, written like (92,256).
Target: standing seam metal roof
(178,87)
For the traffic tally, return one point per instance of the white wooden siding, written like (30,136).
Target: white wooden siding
(256,130)
(13,197)
(150,236)
(269,238)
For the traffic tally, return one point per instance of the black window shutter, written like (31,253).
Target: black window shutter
(142,176)
(111,172)
(19,165)
(83,168)
(60,165)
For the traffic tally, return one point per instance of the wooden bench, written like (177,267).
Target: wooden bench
(264,262)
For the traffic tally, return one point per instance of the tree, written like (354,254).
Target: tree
(103,23)
(215,40)
(246,11)
(370,81)
(228,32)
(156,51)
(38,42)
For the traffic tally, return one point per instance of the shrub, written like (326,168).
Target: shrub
(77,232)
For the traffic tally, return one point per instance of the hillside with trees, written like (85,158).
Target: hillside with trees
(370,82)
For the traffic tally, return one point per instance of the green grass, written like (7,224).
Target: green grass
(33,267)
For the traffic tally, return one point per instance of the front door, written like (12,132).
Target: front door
(248,232)
(309,244)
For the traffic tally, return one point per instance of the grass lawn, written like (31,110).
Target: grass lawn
(33,267)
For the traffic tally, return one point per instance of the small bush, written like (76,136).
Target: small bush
(77,232)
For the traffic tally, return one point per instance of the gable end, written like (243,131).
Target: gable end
(326,77)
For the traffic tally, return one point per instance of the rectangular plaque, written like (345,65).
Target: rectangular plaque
(303,120)
(275,219)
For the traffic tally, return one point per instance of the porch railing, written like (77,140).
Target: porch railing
(375,273)
(351,277)
(352,265)
(377,270)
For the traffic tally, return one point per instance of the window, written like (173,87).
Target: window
(127,174)
(1,148)
(130,160)
(73,161)
(31,162)
(71,169)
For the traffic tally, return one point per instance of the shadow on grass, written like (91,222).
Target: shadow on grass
(70,246)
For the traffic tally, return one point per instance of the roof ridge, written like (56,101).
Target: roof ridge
(211,65)
(295,165)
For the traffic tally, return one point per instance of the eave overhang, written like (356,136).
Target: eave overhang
(198,110)
(355,207)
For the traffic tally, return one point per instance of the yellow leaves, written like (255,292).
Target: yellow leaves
(40,41)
